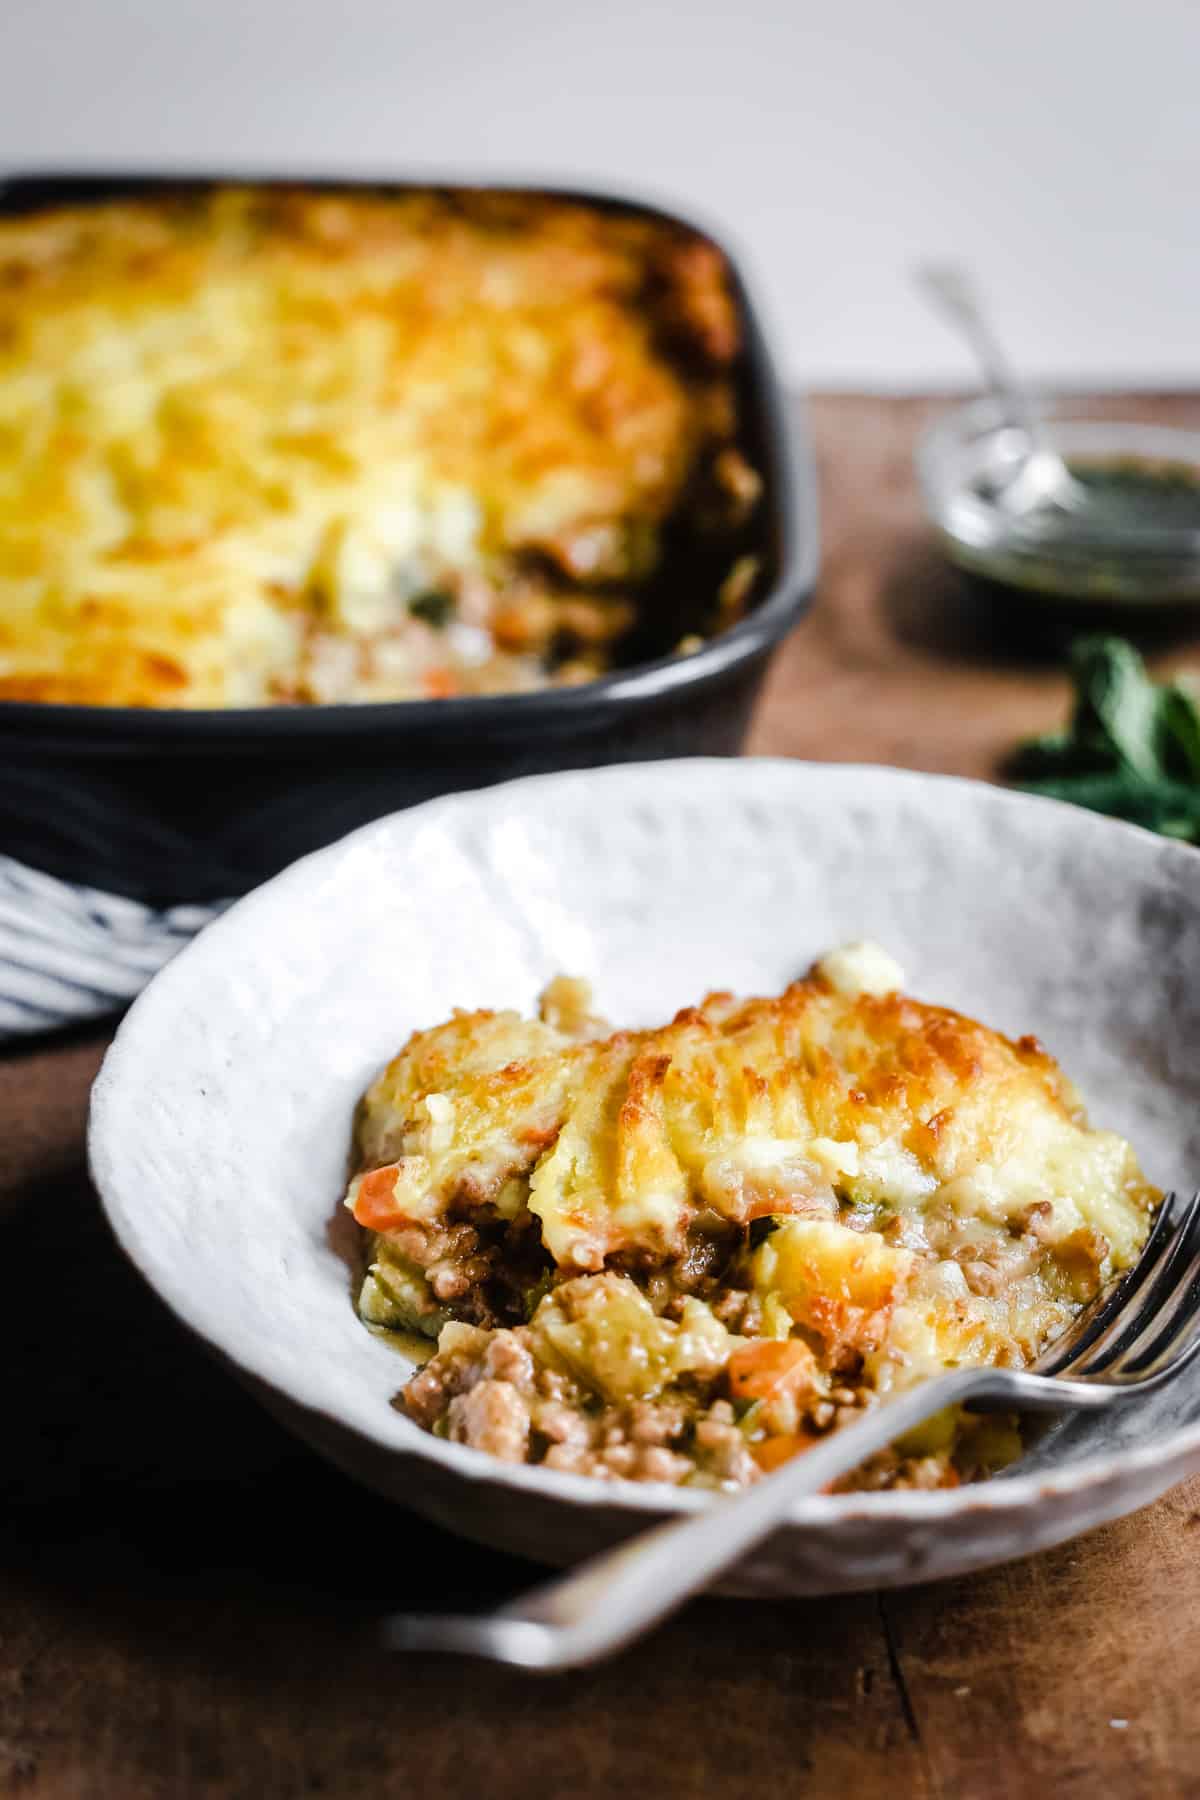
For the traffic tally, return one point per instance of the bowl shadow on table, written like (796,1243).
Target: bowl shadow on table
(187,1589)
(137,1468)
(142,1487)
(932,607)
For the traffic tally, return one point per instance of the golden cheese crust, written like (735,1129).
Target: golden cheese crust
(742,1109)
(277,445)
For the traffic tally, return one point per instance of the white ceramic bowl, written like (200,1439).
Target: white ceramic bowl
(221,1119)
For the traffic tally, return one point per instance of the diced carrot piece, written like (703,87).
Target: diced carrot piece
(770,1206)
(774,1451)
(375,1202)
(440,684)
(770,1367)
(510,627)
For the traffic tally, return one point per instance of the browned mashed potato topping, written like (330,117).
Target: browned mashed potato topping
(685,1254)
(275,445)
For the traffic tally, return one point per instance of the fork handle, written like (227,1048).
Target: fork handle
(615,1596)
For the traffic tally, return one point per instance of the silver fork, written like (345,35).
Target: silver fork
(1139,1332)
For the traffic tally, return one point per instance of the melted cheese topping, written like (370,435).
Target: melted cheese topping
(818,1102)
(861,968)
(262,445)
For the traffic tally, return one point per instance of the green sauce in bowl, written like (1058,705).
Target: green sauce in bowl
(1134,541)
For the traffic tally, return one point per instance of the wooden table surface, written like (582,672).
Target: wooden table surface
(183,1589)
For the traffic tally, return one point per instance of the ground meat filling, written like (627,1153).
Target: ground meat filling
(509,1379)
(510,1391)
(717,1413)
(484,1271)
(485,1389)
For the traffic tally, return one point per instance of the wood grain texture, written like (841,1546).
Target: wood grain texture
(184,1591)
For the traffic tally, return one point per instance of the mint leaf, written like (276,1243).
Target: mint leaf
(1131,749)
(1180,720)
(1165,806)
(1116,702)
(1058,754)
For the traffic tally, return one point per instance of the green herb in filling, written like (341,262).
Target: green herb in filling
(434,607)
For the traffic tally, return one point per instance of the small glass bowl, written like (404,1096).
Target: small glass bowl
(1145,566)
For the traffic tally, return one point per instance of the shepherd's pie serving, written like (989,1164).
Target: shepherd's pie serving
(685,1254)
(264,445)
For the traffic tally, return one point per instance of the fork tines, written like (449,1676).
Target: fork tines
(1141,1326)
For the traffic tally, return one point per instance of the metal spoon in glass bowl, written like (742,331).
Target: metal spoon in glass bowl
(1042,479)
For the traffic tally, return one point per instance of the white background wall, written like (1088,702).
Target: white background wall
(1054,144)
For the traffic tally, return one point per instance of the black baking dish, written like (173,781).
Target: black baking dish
(181,805)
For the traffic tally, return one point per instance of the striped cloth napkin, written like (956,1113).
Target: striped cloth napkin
(69,954)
